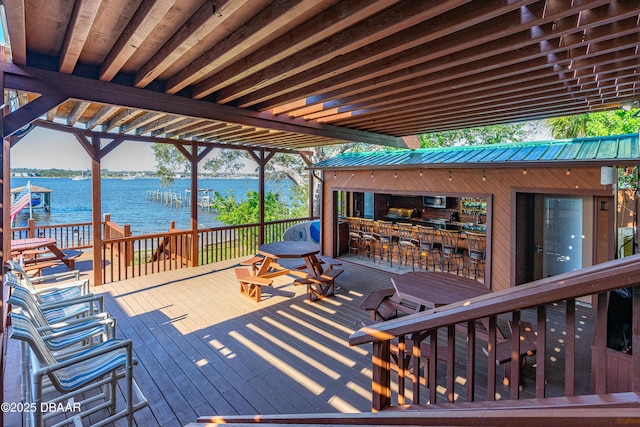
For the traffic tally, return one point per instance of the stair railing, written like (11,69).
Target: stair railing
(445,323)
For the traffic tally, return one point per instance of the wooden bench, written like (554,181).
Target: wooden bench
(253,263)
(251,286)
(319,287)
(385,304)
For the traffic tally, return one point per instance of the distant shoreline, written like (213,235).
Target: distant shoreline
(105,173)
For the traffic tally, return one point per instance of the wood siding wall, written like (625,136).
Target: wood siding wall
(502,184)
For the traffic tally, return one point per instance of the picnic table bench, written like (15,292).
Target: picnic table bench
(250,285)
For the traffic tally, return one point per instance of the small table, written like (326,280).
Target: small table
(289,249)
(431,289)
(23,246)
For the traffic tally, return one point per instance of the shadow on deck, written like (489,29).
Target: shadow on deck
(204,349)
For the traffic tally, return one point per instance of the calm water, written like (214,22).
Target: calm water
(126,201)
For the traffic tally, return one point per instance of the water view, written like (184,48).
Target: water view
(126,200)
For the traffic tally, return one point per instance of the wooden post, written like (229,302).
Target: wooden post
(262,163)
(381,375)
(31,227)
(96,213)
(193,247)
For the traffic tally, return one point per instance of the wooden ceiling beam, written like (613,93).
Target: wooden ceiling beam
(439,97)
(516,62)
(209,17)
(105,113)
(176,127)
(158,124)
(26,114)
(178,133)
(439,94)
(440,86)
(335,19)
(82,17)
(78,110)
(141,120)
(505,36)
(379,36)
(430,116)
(140,138)
(557,103)
(122,117)
(16,27)
(258,31)
(28,79)
(147,17)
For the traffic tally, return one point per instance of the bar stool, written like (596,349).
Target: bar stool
(354,235)
(477,244)
(406,244)
(369,238)
(385,230)
(452,256)
(429,248)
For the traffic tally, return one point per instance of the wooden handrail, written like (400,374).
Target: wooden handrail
(603,277)
(413,329)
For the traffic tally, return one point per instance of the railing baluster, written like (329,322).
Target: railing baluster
(433,365)
(491,359)
(417,361)
(514,380)
(570,348)
(541,352)
(471,360)
(402,369)
(451,356)
(635,338)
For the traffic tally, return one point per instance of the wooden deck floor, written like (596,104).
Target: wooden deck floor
(204,349)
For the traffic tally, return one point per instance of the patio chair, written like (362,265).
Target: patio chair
(60,310)
(54,292)
(96,370)
(62,335)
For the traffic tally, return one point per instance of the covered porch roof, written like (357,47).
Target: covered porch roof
(296,74)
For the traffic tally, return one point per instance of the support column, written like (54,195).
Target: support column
(96,212)
(261,164)
(193,262)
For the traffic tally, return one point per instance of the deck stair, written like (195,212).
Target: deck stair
(585,411)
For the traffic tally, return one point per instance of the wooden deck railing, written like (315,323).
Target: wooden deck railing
(444,324)
(132,256)
(68,236)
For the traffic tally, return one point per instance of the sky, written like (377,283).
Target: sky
(48,149)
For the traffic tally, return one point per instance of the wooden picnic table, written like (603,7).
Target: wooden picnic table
(32,249)
(320,281)
(275,251)
(418,291)
(431,289)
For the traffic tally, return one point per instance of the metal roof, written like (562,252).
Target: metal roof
(602,150)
